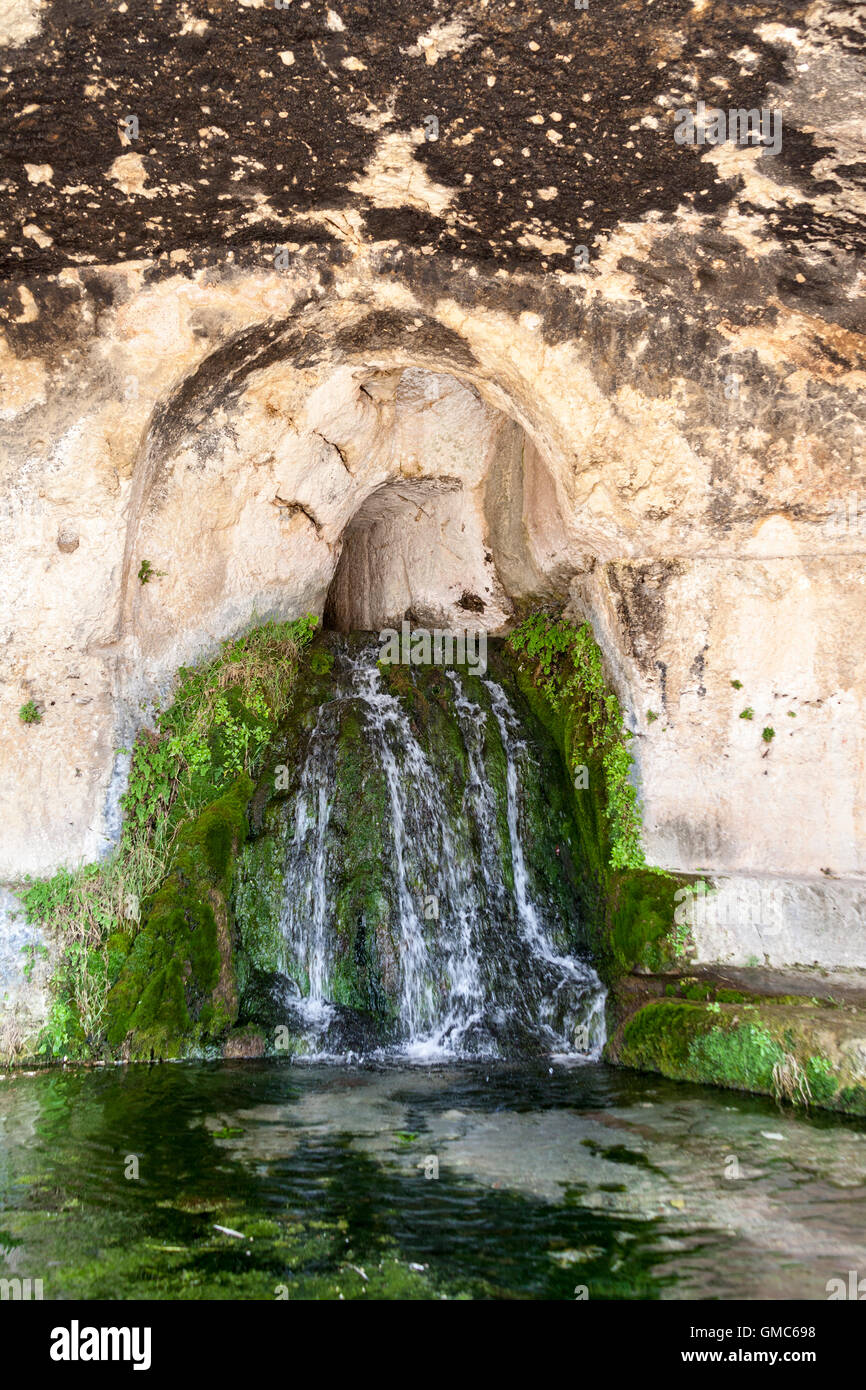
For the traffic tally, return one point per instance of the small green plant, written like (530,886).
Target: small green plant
(747,713)
(681,939)
(768,734)
(29,713)
(146,572)
(792,714)
(31,952)
(83,906)
(651,716)
(738,685)
(57,1038)
(742,1056)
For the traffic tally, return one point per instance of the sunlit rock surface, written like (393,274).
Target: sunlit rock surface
(277,342)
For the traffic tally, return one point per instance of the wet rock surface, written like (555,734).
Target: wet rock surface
(796,1035)
(261,267)
(415,877)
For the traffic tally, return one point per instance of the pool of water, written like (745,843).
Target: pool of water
(262,1180)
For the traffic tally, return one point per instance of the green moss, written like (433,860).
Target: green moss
(657,1038)
(258,905)
(364,949)
(822,1082)
(851,1099)
(176,991)
(568,669)
(742,1056)
(705,990)
(321,662)
(772,1051)
(207,846)
(627,911)
(212,736)
(637,920)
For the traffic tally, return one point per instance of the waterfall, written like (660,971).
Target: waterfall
(570,970)
(431,939)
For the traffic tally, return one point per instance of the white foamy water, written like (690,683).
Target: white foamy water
(476,972)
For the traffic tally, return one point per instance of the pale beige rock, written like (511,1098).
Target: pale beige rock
(465,457)
(19,21)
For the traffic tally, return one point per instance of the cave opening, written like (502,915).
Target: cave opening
(465,528)
(432,885)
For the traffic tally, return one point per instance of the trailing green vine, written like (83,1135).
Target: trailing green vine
(221,719)
(568,669)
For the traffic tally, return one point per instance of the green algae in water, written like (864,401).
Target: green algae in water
(321,1173)
(310,1209)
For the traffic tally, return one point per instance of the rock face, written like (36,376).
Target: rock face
(379,309)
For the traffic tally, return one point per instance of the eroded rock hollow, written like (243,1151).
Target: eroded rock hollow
(399,314)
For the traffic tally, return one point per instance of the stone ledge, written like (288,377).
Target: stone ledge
(797,1035)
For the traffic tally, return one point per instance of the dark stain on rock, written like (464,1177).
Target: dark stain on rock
(697,668)
(227,129)
(384,328)
(639,591)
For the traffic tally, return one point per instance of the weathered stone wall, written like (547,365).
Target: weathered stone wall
(426,380)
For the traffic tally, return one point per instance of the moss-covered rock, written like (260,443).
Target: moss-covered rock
(452,718)
(176,993)
(366,941)
(798,1052)
(258,907)
(628,912)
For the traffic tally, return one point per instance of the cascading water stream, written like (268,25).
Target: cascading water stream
(537,940)
(307,930)
(460,951)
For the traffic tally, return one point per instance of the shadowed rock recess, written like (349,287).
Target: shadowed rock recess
(394,314)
